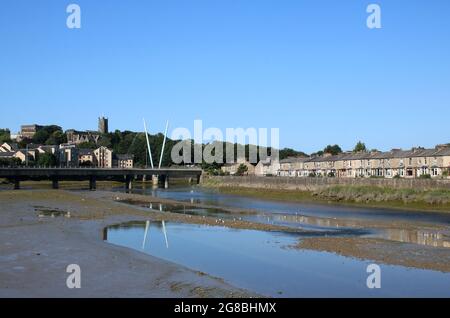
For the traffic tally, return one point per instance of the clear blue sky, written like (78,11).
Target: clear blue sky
(309,67)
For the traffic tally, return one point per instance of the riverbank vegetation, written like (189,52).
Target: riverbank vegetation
(367,196)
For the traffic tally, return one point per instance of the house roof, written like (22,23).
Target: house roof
(48,146)
(8,154)
(13,146)
(395,153)
(34,146)
(294,159)
(85,152)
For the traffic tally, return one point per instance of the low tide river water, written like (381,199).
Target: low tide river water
(268,263)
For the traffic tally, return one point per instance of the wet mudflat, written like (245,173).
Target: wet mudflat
(271,248)
(270,264)
(42,232)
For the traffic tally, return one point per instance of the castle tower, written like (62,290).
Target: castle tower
(103,125)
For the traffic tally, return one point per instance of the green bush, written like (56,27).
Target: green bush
(242,169)
(14,162)
(47,160)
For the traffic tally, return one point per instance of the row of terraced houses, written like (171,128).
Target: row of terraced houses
(412,163)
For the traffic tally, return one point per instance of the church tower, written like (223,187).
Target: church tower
(103,125)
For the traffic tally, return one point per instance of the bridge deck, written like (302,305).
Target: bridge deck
(25,173)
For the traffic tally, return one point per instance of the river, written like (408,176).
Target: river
(270,264)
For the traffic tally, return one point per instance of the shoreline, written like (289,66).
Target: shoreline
(37,250)
(383,251)
(299,196)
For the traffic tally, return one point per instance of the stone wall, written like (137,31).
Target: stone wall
(312,184)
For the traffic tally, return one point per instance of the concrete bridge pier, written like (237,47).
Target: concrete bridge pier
(92,183)
(155,180)
(55,183)
(166,181)
(129,182)
(16,182)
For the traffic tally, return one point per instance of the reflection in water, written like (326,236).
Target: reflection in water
(433,238)
(421,237)
(147,226)
(165,233)
(259,261)
(147,230)
(328,226)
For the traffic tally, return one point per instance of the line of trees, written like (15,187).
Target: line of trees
(336,149)
(135,143)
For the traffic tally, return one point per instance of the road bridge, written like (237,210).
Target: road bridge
(16,175)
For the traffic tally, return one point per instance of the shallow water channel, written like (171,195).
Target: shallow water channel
(423,228)
(268,264)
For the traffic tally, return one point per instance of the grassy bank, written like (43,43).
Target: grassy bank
(364,196)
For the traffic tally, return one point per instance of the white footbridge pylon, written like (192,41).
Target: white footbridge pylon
(163,145)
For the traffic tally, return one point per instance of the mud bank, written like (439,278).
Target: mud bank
(36,250)
(386,252)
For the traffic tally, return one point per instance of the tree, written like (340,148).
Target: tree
(289,152)
(24,142)
(13,162)
(334,150)
(41,136)
(105,141)
(87,145)
(360,147)
(50,135)
(318,153)
(47,160)
(5,135)
(138,148)
(57,138)
(242,169)
(50,129)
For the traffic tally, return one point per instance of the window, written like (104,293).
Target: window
(410,161)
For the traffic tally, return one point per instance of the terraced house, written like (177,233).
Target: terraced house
(412,163)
